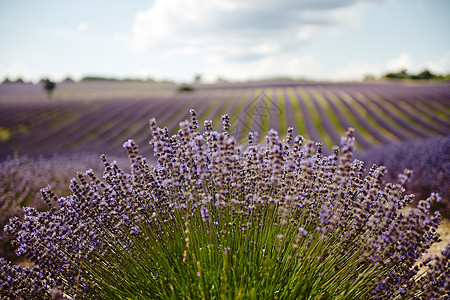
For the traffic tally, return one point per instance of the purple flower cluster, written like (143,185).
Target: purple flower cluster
(21,179)
(429,159)
(205,174)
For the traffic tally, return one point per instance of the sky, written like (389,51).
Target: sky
(235,40)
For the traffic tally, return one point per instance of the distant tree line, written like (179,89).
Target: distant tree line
(7,80)
(424,75)
(403,74)
(42,81)
(101,78)
(49,85)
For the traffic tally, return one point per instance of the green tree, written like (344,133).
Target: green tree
(425,75)
(49,86)
(403,74)
(197,78)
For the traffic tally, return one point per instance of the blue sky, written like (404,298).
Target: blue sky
(230,39)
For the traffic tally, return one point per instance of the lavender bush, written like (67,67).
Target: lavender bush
(21,179)
(215,220)
(429,159)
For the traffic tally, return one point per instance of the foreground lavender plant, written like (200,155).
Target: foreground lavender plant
(214,220)
(21,179)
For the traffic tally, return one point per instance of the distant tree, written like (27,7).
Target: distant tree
(7,80)
(49,86)
(369,77)
(198,78)
(166,81)
(403,74)
(425,75)
(68,79)
(185,88)
(391,75)
(98,78)
(221,80)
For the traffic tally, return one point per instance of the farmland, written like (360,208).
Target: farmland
(397,124)
(47,140)
(97,117)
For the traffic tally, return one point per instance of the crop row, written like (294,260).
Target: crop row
(380,113)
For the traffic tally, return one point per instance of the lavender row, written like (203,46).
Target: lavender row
(381,119)
(416,116)
(112,126)
(90,124)
(343,120)
(325,119)
(427,103)
(308,122)
(97,125)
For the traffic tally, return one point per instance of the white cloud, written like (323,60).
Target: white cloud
(442,66)
(15,70)
(83,26)
(238,30)
(241,39)
(403,61)
(268,66)
(121,39)
(309,67)
(357,70)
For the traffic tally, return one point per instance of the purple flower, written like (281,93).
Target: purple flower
(204,212)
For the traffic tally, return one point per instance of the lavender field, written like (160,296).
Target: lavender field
(47,140)
(398,124)
(97,117)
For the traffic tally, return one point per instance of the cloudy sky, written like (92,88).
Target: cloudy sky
(230,39)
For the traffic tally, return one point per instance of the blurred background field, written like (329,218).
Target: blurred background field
(98,116)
